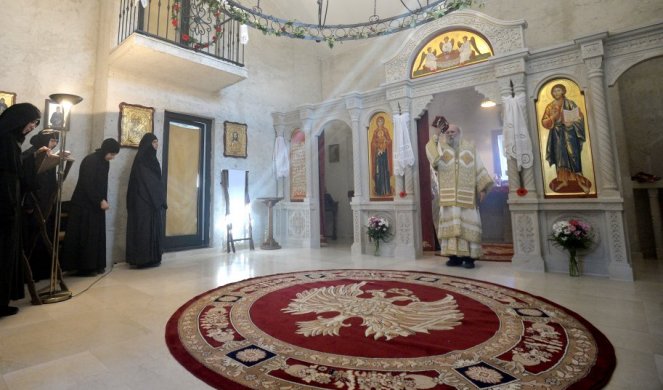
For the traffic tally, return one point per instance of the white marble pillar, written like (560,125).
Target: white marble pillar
(525,177)
(311,202)
(527,251)
(592,54)
(353,104)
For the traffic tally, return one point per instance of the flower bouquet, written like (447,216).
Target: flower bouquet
(378,229)
(572,235)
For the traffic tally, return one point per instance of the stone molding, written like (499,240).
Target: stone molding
(504,36)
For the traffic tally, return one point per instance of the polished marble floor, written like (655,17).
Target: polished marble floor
(111,335)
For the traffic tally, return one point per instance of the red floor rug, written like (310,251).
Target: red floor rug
(373,329)
(496,252)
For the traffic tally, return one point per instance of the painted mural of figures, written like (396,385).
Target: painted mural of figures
(381,151)
(447,47)
(566,123)
(465,49)
(428,60)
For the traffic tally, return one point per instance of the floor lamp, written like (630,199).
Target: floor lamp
(59,293)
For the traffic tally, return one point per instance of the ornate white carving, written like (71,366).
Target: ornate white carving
(419,105)
(606,142)
(297,224)
(404,228)
(525,236)
(592,49)
(548,63)
(504,37)
(398,92)
(634,43)
(450,84)
(616,232)
(510,67)
(490,91)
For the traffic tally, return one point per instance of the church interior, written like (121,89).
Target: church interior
(267,144)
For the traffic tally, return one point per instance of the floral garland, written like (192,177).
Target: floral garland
(295,29)
(215,9)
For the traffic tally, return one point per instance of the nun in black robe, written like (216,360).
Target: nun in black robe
(38,204)
(15,122)
(146,202)
(84,246)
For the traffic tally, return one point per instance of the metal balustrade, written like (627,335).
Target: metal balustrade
(191,24)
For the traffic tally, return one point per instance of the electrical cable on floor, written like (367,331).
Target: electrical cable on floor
(93,283)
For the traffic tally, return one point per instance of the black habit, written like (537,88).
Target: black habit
(13,121)
(84,246)
(146,202)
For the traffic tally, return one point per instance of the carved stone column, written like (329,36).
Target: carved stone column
(311,205)
(418,106)
(592,54)
(524,210)
(353,104)
(512,76)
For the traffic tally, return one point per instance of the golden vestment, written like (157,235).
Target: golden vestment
(461,175)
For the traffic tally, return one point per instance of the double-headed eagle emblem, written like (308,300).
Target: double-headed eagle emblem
(381,317)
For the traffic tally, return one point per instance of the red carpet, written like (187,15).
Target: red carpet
(493,252)
(376,329)
(496,252)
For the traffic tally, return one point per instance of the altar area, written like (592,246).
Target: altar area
(587,67)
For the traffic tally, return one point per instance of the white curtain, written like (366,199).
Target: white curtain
(281,160)
(517,143)
(403,155)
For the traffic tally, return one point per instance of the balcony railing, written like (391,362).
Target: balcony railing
(190,24)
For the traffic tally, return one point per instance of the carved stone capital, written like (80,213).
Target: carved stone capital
(594,66)
(353,101)
(355,115)
(591,49)
(419,105)
(505,83)
(510,67)
(400,105)
(399,92)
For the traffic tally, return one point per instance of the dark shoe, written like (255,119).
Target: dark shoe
(6,311)
(454,261)
(468,262)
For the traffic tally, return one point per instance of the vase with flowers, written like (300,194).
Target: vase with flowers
(378,229)
(572,235)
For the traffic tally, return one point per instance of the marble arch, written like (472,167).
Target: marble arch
(592,61)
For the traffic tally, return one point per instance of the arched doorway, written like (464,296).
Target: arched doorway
(483,127)
(335,183)
(636,101)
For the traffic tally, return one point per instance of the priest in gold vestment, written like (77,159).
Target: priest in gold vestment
(462,179)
